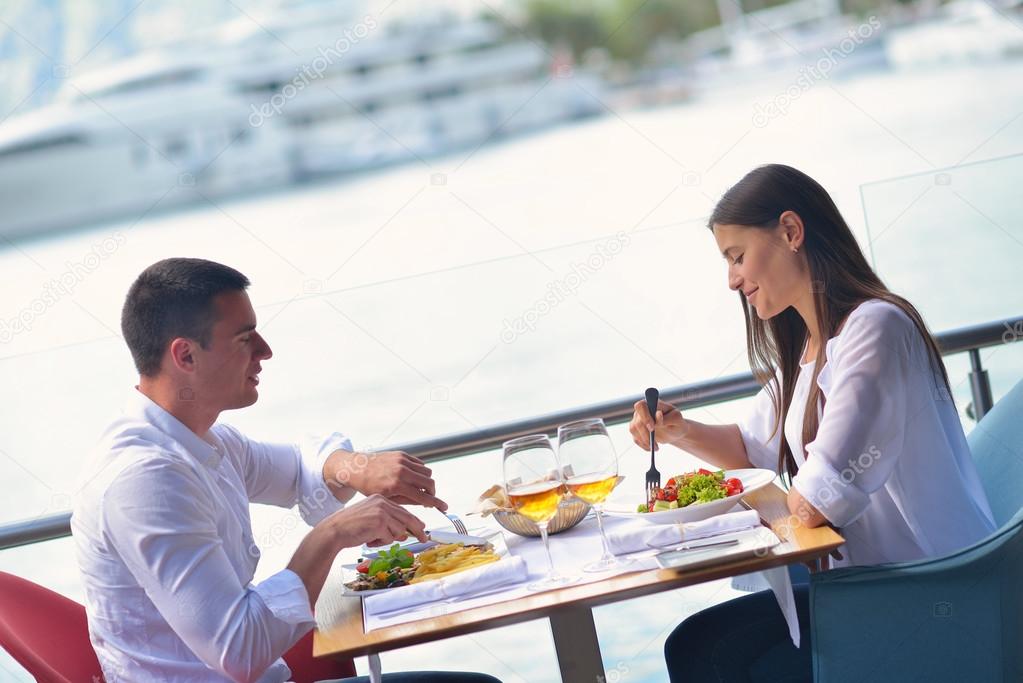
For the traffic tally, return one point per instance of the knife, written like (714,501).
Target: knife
(452,537)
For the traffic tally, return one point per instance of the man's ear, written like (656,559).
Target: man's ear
(181,354)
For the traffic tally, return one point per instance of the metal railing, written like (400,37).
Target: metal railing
(687,396)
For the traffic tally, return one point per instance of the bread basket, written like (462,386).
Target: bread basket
(570,512)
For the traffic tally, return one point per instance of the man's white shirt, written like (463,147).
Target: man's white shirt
(165,547)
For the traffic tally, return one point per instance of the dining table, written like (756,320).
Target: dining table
(569,609)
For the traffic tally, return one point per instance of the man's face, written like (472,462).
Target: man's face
(227,372)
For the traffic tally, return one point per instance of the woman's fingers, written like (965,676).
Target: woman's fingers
(643,423)
(643,414)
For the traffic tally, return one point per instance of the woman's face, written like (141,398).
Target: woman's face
(762,265)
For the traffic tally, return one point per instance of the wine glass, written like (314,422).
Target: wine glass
(587,449)
(533,480)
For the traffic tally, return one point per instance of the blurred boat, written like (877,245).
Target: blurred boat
(266,101)
(963,31)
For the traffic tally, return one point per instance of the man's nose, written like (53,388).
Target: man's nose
(263,350)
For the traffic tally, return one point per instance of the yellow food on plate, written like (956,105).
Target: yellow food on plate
(451,558)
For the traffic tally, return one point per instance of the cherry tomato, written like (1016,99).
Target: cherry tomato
(649,507)
(670,495)
(362,567)
(659,494)
(703,471)
(733,486)
(671,483)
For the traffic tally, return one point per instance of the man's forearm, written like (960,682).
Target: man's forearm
(313,559)
(338,471)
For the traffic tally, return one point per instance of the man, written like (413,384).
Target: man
(161,525)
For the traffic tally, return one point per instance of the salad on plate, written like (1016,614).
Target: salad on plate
(701,486)
(397,566)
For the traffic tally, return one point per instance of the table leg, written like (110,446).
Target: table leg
(575,641)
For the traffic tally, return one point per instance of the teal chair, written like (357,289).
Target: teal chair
(954,618)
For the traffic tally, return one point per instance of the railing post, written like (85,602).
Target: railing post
(980,385)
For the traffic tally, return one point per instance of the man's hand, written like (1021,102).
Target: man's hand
(374,521)
(396,475)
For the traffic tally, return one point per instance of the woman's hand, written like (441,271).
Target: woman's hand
(668,425)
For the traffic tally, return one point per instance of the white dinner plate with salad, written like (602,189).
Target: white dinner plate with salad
(671,511)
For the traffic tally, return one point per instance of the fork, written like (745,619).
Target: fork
(457,523)
(653,477)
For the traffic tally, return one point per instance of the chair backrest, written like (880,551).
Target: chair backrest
(952,618)
(997,447)
(307,669)
(46,633)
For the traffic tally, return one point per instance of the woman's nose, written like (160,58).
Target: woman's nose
(734,281)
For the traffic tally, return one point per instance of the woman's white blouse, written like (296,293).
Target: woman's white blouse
(890,465)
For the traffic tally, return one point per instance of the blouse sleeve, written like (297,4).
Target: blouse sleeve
(862,428)
(758,433)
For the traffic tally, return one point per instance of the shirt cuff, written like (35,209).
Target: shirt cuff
(285,596)
(316,500)
(757,453)
(834,496)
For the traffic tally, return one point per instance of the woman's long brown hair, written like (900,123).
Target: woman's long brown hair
(840,276)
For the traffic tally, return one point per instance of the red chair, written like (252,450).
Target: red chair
(48,634)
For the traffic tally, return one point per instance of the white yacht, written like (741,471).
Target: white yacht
(961,31)
(265,101)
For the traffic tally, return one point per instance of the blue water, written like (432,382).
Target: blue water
(388,298)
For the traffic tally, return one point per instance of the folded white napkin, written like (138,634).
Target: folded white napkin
(643,536)
(507,570)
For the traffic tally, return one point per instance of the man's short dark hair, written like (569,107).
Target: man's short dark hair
(170,299)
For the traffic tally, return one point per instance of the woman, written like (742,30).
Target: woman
(856,413)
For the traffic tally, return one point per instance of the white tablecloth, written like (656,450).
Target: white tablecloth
(570,550)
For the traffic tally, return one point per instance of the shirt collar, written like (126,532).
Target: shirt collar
(145,409)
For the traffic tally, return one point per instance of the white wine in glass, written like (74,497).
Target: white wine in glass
(587,449)
(533,481)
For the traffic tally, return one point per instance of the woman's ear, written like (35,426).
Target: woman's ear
(792,230)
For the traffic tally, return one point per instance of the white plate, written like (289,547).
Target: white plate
(348,572)
(752,479)
(346,591)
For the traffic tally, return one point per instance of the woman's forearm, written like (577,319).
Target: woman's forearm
(719,445)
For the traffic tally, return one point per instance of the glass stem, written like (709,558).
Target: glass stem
(547,550)
(603,537)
